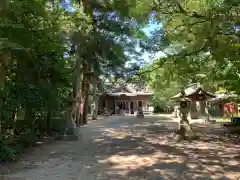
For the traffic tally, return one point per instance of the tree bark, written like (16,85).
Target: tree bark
(29,115)
(94,110)
(4,61)
(95,107)
(86,98)
(85,92)
(76,111)
(49,115)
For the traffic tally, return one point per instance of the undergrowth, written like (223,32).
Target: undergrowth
(11,145)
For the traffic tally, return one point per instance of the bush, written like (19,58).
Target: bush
(8,150)
(21,126)
(7,154)
(11,146)
(158,109)
(27,139)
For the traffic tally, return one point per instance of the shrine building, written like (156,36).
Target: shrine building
(199,97)
(125,99)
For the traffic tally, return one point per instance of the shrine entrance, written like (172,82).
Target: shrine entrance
(121,106)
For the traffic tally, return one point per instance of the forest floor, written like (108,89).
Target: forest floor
(125,148)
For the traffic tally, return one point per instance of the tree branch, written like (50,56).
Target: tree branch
(180,9)
(181,25)
(180,55)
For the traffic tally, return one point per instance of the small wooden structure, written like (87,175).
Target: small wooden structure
(197,96)
(217,104)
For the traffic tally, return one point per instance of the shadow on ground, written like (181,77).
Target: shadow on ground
(125,148)
(145,149)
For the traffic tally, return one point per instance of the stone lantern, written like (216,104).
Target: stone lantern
(185,130)
(140,112)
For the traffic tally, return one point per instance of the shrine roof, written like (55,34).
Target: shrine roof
(128,89)
(194,90)
(222,97)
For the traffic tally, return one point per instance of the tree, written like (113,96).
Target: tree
(207,39)
(36,79)
(104,52)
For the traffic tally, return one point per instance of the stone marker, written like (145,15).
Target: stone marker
(140,113)
(69,132)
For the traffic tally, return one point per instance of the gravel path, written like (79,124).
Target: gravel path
(125,148)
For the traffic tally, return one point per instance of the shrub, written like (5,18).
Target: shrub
(7,154)
(27,139)
(158,109)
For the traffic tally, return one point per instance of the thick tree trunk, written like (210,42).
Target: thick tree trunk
(82,96)
(84,102)
(29,115)
(76,110)
(14,115)
(4,61)
(77,107)
(85,106)
(95,107)
(49,115)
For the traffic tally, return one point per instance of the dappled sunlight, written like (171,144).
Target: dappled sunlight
(129,148)
(148,149)
(127,164)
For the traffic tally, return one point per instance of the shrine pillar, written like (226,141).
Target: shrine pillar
(194,110)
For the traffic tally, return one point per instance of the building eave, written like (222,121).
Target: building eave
(130,94)
(197,90)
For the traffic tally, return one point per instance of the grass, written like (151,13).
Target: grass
(222,119)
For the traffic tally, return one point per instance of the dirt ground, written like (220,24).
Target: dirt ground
(127,148)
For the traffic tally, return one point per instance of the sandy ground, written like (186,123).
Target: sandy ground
(125,148)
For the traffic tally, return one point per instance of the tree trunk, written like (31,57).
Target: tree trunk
(85,90)
(14,114)
(77,107)
(4,61)
(85,105)
(95,100)
(76,111)
(95,107)
(49,116)
(82,100)
(29,115)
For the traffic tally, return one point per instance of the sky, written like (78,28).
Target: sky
(148,30)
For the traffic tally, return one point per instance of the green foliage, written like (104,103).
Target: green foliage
(47,46)
(11,145)
(161,79)
(204,36)
(7,154)
(27,139)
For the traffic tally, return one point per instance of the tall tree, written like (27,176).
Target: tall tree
(112,34)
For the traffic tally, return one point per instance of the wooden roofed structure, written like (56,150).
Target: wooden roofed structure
(195,93)
(197,96)
(126,98)
(217,104)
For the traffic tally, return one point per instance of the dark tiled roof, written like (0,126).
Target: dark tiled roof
(127,89)
(193,89)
